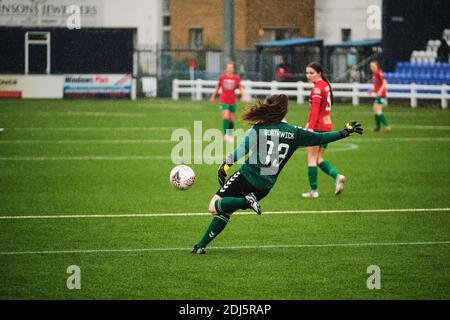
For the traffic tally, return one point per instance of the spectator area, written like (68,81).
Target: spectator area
(420,73)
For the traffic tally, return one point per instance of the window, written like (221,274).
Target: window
(281,34)
(166,39)
(166,6)
(270,34)
(166,20)
(346,34)
(195,38)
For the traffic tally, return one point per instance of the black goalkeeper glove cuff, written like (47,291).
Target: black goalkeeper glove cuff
(222,172)
(351,127)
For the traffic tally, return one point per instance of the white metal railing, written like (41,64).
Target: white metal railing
(199,88)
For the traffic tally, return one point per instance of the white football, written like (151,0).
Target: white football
(182,177)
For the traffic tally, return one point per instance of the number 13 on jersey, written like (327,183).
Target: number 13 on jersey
(276,159)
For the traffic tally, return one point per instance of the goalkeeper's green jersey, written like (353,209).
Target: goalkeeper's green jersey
(269,147)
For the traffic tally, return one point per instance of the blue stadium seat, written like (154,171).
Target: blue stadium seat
(420,73)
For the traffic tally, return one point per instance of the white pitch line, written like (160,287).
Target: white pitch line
(94,128)
(157,141)
(100,114)
(176,160)
(81,113)
(421,127)
(156,128)
(285,246)
(189,214)
(135,141)
(87,158)
(405,139)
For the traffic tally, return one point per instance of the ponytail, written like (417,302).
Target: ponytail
(272,110)
(324,78)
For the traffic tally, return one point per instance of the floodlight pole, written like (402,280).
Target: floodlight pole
(228,30)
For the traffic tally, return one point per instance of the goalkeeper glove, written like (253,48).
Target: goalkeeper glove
(350,128)
(222,172)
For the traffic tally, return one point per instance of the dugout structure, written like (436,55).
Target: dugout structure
(299,52)
(348,61)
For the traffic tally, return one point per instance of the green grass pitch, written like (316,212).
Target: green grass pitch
(108,158)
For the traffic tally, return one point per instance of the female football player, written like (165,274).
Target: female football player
(270,143)
(228,82)
(321,100)
(379,90)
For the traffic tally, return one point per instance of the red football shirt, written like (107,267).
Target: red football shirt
(378,78)
(228,85)
(320,110)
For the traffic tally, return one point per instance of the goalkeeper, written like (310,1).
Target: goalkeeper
(270,143)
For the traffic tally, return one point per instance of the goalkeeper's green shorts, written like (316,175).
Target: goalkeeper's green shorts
(380,101)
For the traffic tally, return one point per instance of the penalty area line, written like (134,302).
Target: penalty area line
(282,246)
(190,214)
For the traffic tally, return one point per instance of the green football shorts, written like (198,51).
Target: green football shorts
(380,101)
(230,107)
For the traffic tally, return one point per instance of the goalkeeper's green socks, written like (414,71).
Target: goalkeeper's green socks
(328,169)
(383,120)
(312,176)
(220,221)
(377,122)
(230,205)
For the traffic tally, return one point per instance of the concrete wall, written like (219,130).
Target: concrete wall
(143,15)
(331,16)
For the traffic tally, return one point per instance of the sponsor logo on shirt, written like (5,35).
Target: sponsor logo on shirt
(229,84)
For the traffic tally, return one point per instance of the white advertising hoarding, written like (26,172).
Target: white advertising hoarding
(97,86)
(31,86)
(67,86)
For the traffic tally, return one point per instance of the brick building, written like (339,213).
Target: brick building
(196,24)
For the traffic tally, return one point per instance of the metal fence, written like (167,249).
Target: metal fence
(168,64)
(199,89)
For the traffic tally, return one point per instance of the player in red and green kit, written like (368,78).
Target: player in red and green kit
(379,90)
(269,144)
(321,100)
(228,82)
